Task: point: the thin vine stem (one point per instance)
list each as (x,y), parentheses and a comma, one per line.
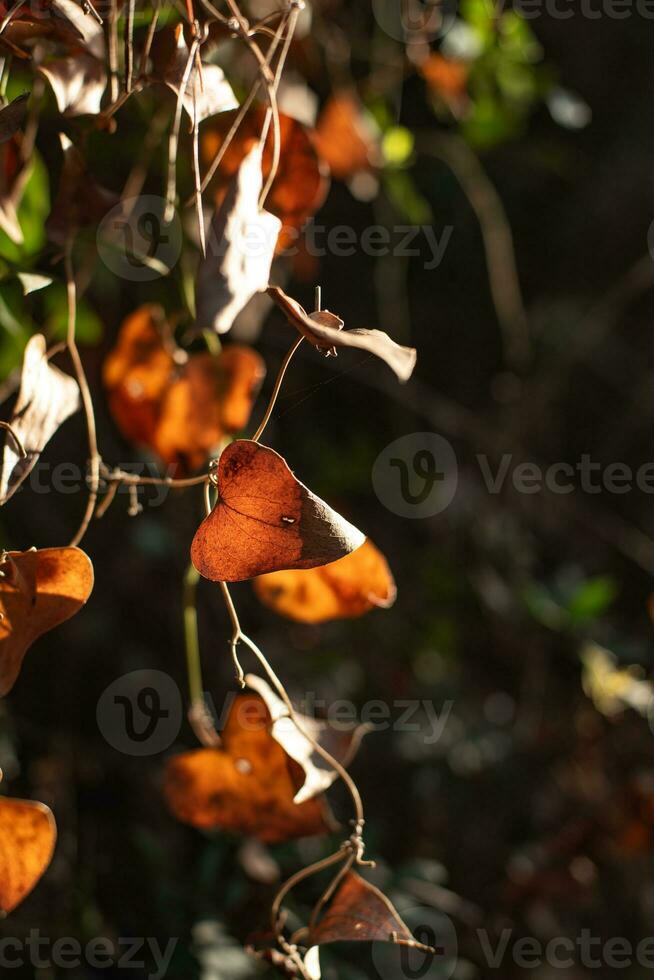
(328,758)
(14,435)
(191,638)
(275,393)
(273,112)
(87,401)
(242,112)
(293,882)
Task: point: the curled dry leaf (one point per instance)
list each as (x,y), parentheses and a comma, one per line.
(341,745)
(266,520)
(324,330)
(240,249)
(78,83)
(360,912)
(207,93)
(181,411)
(247,786)
(12,116)
(346,588)
(47,398)
(300,185)
(27,839)
(38,591)
(80,200)
(63,21)
(347,137)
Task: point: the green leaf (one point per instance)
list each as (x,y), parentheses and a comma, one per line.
(592,599)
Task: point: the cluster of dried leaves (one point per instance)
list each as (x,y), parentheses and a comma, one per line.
(268,774)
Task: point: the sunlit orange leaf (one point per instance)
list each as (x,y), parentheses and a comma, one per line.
(324,331)
(300,185)
(80,200)
(178,407)
(340,743)
(448,79)
(240,249)
(346,137)
(344,589)
(360,912)
(38,591)
(47,398)
(27,839)
(12,116)
(247,786)
(265,520)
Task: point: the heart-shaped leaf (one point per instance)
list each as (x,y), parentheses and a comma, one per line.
(266,520)
(27,839)
(179,407)
(240,248)
(360,912)
(47,398)
(341,744)
(324,331)
(247,786)
(38,591)
(345,589)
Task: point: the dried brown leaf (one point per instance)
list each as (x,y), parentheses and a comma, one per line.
(181,411)
(78,83)
(27,839)
(323,330)
(80,200)
(240,248)
(38,591)
(346,137)
(47,398)
(207,92)
(301,183)
(360,912)
(266,520)
(341,745)
(247,786)
(12,116)
(345,589)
